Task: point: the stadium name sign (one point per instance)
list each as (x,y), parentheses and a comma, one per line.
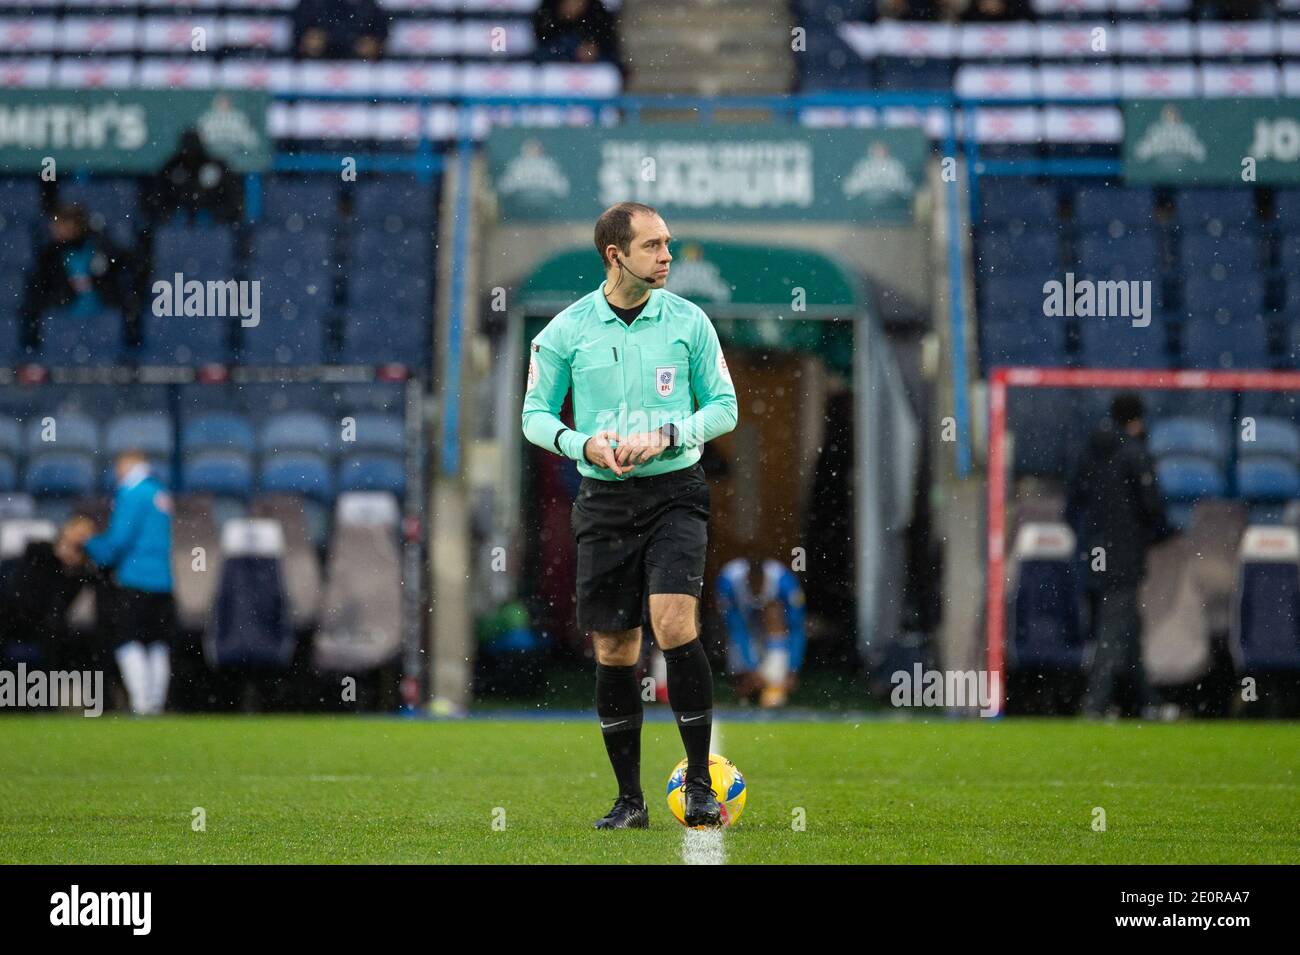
(128,131)
(741,173)
(1212,142)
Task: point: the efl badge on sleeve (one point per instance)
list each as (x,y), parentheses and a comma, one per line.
(722,368)
(665,378)
(532,371)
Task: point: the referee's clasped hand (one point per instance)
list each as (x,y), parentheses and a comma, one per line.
(600,452)
(640,448)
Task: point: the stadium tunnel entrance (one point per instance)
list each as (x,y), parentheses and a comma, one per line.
(820,473)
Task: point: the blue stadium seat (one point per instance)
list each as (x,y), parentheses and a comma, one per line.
(1181,435)
(1267,478)
(1028,341)
(1186,477)
(1135,255)
(1286,208)
(148,431)
(59,474)
(372,472)
(1237,253)
(11,436)
(371,339)
(70,340)
(373,249)
(198,253)
(374,432)
(298,431)
(225,473)
(1232,298)
(1005,201)
(1117,343)
(69,431)
(1216,211)
(17,251)
(186,341)
(398,298)
(1238,344)
(394,202)
(8,473)
(1005,253)
(296,203)
(20,200)
(1097,207)
(1275,436)
(1013,297)
(1043,423)
(830,64)
(296,472)
(290,333)
(286,261)
(217,431)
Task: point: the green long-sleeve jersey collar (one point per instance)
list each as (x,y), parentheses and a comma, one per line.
(666,367)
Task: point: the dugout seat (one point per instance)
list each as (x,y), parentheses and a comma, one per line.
(251,624)
(1042,606)
(361,619)
(193,526)
(1266,627)
(302,573)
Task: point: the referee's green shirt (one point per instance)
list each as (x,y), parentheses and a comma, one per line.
(667,366)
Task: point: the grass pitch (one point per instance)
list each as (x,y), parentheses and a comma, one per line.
(334,790)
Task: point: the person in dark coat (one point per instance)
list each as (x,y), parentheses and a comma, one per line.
(194,184)
(339,29)
(78,271)
(575,31)
(1116,502)
(45,583)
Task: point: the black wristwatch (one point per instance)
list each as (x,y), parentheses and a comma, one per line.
(670,432)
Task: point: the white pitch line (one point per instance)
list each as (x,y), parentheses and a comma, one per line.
(704,846)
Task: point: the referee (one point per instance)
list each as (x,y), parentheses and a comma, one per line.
(650,386)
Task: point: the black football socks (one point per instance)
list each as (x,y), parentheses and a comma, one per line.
(690,693)
(618,704)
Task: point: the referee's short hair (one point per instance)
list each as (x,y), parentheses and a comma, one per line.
(614,227)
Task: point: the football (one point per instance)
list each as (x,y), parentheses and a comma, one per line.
(728,786)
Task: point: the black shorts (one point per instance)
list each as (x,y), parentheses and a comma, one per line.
(638,537)
(143,616)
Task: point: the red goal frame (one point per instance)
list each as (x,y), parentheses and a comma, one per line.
(1004,377)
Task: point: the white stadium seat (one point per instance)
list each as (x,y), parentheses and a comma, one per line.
(1149,7)
(435,78)
(1071,41)
(996,82)
(27,73)
(571,79)
(423,38)
(1174,79)
(1058,8)
(273,75)
(95,73)
(861,38)
(177,34)
(1083,124)
(931,41)
(1223,81)
(336,76)
(29,34)
(505,79)
(1084,81)
(1020,125)
(988,41)
(1154,40)
(1220,40)
(189,73)
(257,33)
(99,34)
